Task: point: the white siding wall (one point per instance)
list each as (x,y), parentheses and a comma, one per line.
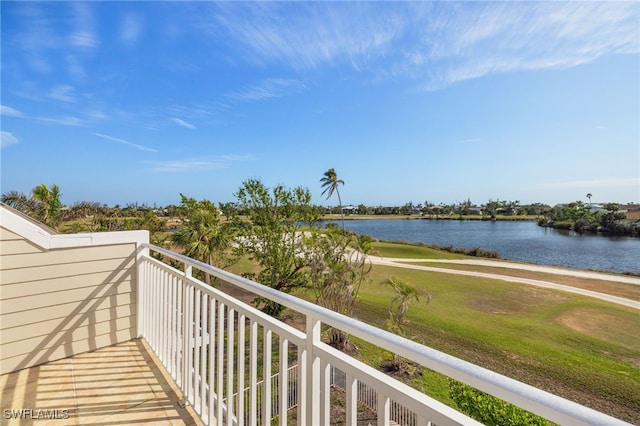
(59,302)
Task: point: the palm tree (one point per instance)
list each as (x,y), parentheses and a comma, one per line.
(330,184)
(44,204)
(405,294)
(203,237)
(50,205)
(589,197)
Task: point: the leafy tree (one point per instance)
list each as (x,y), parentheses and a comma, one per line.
(273,236)
(330,183)
(610,218)
(202,234)
(589,197)
(44,204)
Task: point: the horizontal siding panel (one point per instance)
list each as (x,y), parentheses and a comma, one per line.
(64,323)
(68,256)
(46,313)
(9,291)
(53,340)
(72,348)
(13,247)
(6,235)
(37,273)
(83,295)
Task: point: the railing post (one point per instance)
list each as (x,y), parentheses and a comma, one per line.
(141,289)
(309,401)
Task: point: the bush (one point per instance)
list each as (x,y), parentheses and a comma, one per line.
(490,410)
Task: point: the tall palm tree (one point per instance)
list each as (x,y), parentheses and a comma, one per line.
(330,184)
(589,197)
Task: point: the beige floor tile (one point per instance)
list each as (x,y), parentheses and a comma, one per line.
(121,384)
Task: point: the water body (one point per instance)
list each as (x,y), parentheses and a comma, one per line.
(524,241)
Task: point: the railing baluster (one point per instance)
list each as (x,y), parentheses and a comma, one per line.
(220,362)
(266,379)
(212,364)
(230,364)
(351,402)
(325,394)
(240,411)
(283,381)
(203,352)
(384,405)
(253,373)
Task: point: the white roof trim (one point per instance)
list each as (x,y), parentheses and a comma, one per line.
(43,238)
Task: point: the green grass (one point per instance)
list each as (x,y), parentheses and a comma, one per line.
(413,251)
(568,344)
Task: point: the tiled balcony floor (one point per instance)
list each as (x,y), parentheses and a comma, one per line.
(117,385)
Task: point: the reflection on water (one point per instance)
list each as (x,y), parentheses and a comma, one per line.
(524,241)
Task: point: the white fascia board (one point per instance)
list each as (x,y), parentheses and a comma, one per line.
(41,237)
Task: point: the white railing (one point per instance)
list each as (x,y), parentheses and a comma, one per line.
(214,346)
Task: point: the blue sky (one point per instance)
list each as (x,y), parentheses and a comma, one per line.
(122,102)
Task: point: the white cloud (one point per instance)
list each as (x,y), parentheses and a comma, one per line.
(65,121)
(10,112)
(196,165)
(7,138)
(124,142)
(183,123)
(439,43)
(84,35)
(489,38)
(130,29)
(270,88)
(63,93)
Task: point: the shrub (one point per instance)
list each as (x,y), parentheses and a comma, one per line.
(490,410)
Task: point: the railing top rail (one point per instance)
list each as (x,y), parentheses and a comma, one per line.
(530,398)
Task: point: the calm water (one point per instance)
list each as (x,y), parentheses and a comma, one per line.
(524,241)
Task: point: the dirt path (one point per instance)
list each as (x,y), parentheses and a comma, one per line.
(408,263)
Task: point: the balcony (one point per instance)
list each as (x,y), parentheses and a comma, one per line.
(136,339)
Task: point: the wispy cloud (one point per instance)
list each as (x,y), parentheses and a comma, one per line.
(196,165)
(10,112)
(268,89)
(63,93)
(7,138)
(498,37)
(124,142)
(439,43)
(130,30)
(84,35)
(64,121)
(183,123)
(315,33)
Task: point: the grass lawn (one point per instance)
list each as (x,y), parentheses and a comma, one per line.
(578,347)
